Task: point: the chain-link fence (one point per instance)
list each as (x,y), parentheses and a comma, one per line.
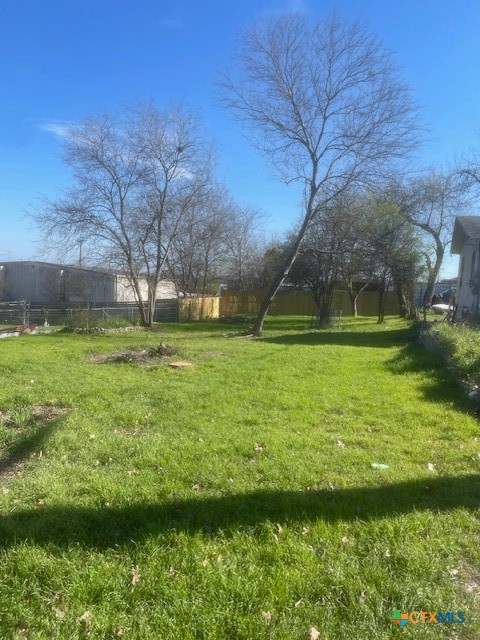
(23,313)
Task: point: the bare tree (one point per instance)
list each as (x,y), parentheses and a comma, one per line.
(197,260)
(325,102)
(430,203)
(220,243)
(468,168)
(179,166)
(353,250)
(134,178)
(395,254)
(244,247)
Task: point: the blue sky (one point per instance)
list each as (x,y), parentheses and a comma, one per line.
(64,60)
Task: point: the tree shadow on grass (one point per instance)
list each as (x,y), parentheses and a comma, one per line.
(382,338)
(22,448)
(110,526)
(440,383)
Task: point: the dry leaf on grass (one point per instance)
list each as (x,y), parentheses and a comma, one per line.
(314,633)
(85,617)
(136,575)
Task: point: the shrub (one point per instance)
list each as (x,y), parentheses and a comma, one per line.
(86,320)
(462,345)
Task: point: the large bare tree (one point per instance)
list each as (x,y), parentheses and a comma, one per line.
(220,243)
(135,176)
(197,260)
(324,100)
(430,202)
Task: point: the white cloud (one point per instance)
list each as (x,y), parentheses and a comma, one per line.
(59,128)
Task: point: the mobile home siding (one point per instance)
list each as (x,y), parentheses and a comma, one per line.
(47,283)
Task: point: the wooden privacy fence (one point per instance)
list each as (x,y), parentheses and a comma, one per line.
(290,303)
(300,303)
(198,308)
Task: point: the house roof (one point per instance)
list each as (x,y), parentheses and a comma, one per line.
(465,227)
(56,265)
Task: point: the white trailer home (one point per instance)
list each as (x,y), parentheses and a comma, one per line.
(48,283)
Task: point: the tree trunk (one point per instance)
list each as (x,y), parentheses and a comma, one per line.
(150,306)
(402,298)
(140,305)
(382,297)
(354,294)
(324,306)
(279,279)
(324,313)
(433,274)
(353,299)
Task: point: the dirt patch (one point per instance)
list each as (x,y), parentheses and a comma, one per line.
(47,412)
(22,416)
(136,355)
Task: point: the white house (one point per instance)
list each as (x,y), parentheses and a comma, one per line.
(466,244)
(48,283)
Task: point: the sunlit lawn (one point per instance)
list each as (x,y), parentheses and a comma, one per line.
(236,498)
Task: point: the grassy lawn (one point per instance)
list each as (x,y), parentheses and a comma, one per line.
(235,499)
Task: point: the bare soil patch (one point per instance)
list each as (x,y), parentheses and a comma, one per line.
(136,355)
(34,412)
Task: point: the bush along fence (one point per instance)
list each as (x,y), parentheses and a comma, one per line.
(444,341)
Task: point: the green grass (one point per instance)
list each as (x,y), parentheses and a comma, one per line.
(236,499)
